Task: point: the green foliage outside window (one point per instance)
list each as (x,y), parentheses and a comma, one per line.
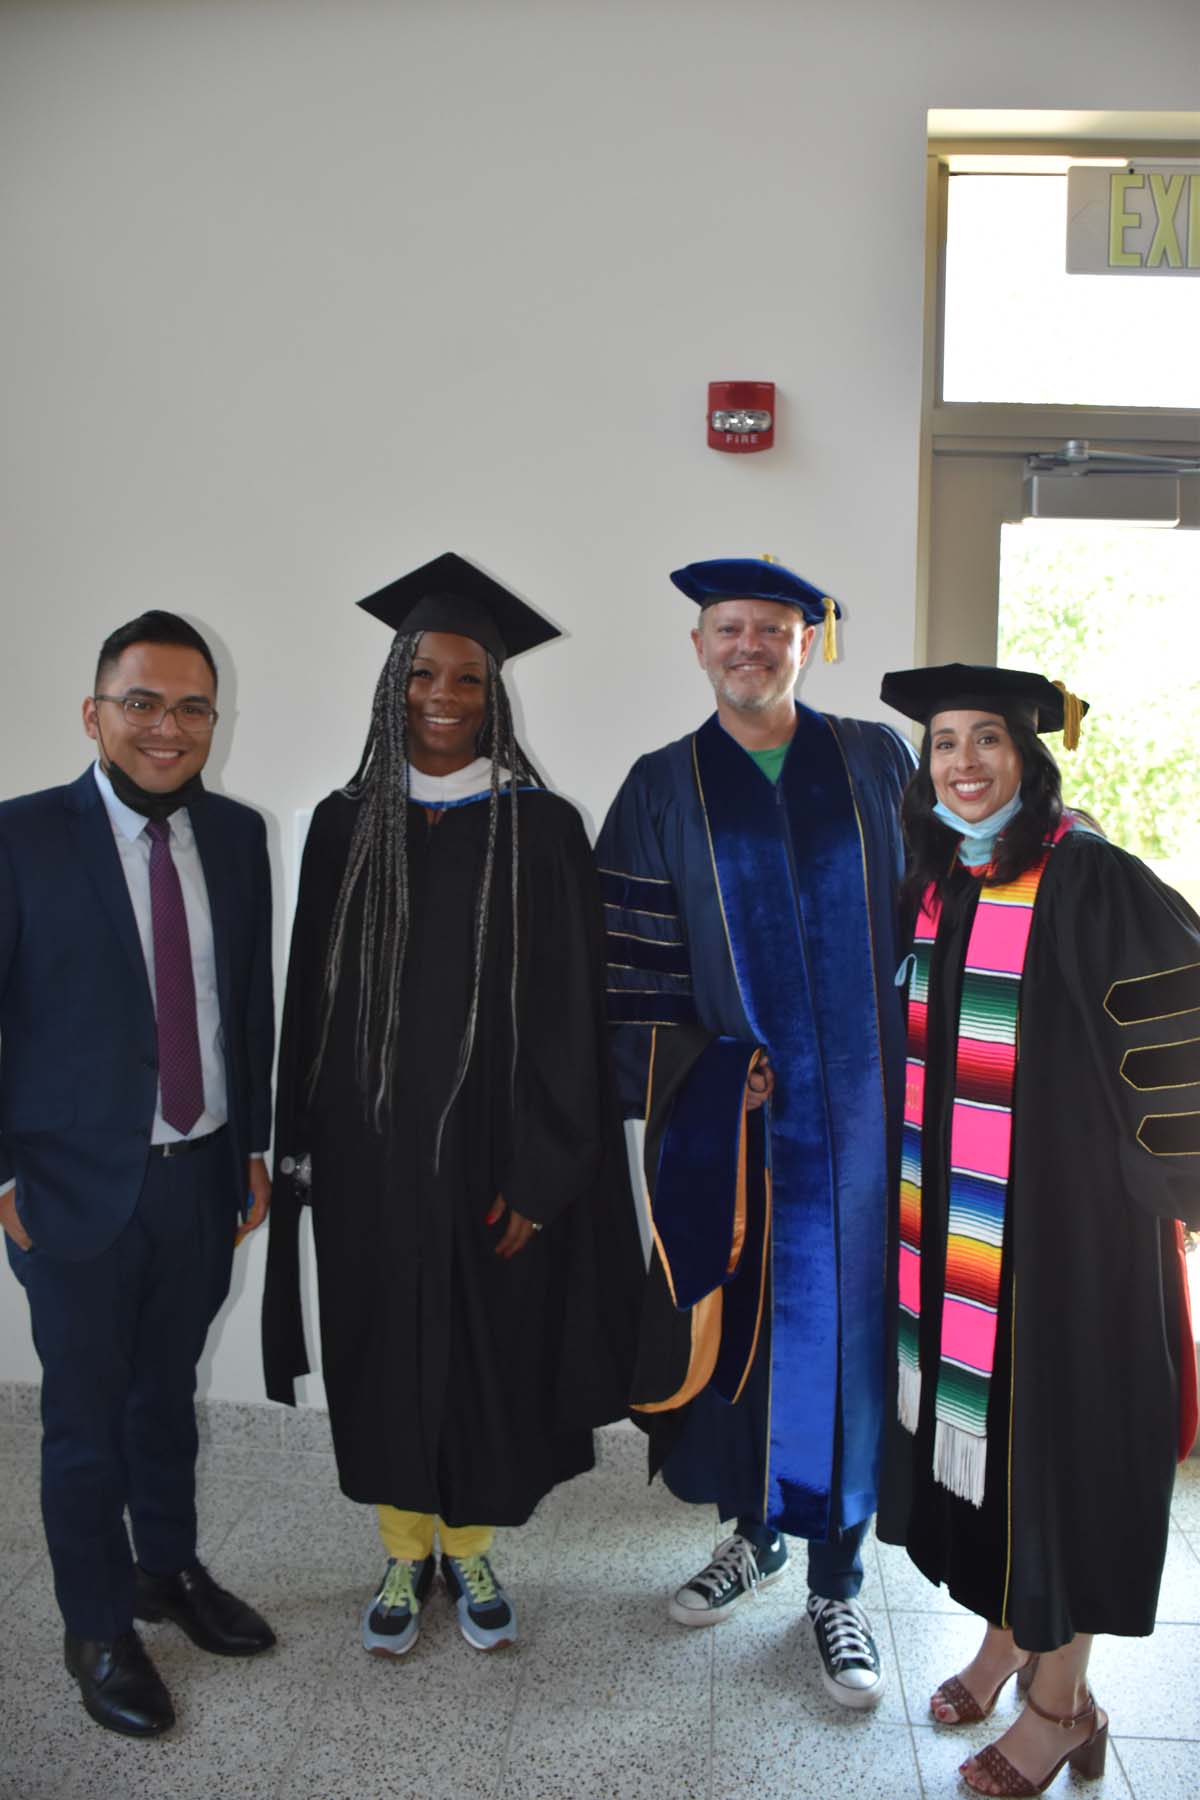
(1116,615)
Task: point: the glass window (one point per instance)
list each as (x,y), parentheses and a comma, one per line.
(1019,329)
(1111,610)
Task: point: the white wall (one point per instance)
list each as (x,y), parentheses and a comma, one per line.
(298,295)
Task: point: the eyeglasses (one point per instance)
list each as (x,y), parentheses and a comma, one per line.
(196,716)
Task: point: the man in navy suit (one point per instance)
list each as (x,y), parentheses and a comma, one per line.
(136,1037)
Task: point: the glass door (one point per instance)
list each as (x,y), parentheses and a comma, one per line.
(1115,613)
(1020,358)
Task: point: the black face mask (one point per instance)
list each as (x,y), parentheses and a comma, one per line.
(141,800)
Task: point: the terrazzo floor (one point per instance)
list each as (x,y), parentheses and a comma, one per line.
(603,1699)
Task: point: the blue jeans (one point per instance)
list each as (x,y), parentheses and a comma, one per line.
(835,1568)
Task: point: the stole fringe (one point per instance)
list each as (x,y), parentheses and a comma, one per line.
(908,1397)
(959,1461)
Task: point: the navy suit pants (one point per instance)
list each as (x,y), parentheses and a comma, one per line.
(119,1337)
(835,1568)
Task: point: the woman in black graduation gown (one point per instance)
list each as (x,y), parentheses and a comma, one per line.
(445,1106)
(1045,1377)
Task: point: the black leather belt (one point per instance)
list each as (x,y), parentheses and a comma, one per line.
(185,1146)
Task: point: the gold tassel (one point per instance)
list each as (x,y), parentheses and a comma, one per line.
(1072,716)
(767,557)
(830,635)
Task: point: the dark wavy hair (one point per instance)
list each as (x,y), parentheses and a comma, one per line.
(931,845)
(155,627)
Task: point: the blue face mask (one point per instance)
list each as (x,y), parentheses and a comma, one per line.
(978,835)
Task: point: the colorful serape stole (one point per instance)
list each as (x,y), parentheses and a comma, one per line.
(980,1147)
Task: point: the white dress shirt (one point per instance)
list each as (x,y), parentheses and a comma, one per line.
(133,847)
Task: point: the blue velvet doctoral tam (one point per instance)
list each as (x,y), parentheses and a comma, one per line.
(767,913)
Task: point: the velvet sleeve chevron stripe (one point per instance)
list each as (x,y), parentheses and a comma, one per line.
(648,977)
(1165,1071)
(640,858)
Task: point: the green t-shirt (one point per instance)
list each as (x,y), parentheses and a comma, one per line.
(769,761)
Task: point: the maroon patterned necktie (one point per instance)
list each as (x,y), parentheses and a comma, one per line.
(180,1076)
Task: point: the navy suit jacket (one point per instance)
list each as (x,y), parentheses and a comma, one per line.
(78,1046)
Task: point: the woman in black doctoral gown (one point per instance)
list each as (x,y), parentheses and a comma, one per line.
(445,1105)
(1034,1477)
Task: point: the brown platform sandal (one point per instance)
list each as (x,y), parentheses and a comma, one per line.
(1086,1759)
(958,1695)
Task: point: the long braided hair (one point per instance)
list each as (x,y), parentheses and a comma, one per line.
(378,864)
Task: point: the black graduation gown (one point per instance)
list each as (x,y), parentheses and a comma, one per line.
(1083,1409)
(460,1383)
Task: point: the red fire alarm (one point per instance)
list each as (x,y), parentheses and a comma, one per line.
(741,415)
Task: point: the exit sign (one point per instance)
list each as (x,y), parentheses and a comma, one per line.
(1143,221)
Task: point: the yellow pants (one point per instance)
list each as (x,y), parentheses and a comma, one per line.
(408,1536)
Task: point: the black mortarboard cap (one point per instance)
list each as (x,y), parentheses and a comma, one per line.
(952,687)
(451,594)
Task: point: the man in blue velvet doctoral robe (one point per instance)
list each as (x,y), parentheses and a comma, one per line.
(750,875)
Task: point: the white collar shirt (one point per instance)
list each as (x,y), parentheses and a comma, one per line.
(133,848)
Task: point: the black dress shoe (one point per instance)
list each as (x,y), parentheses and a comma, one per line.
(120,1686)
(212,1618)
